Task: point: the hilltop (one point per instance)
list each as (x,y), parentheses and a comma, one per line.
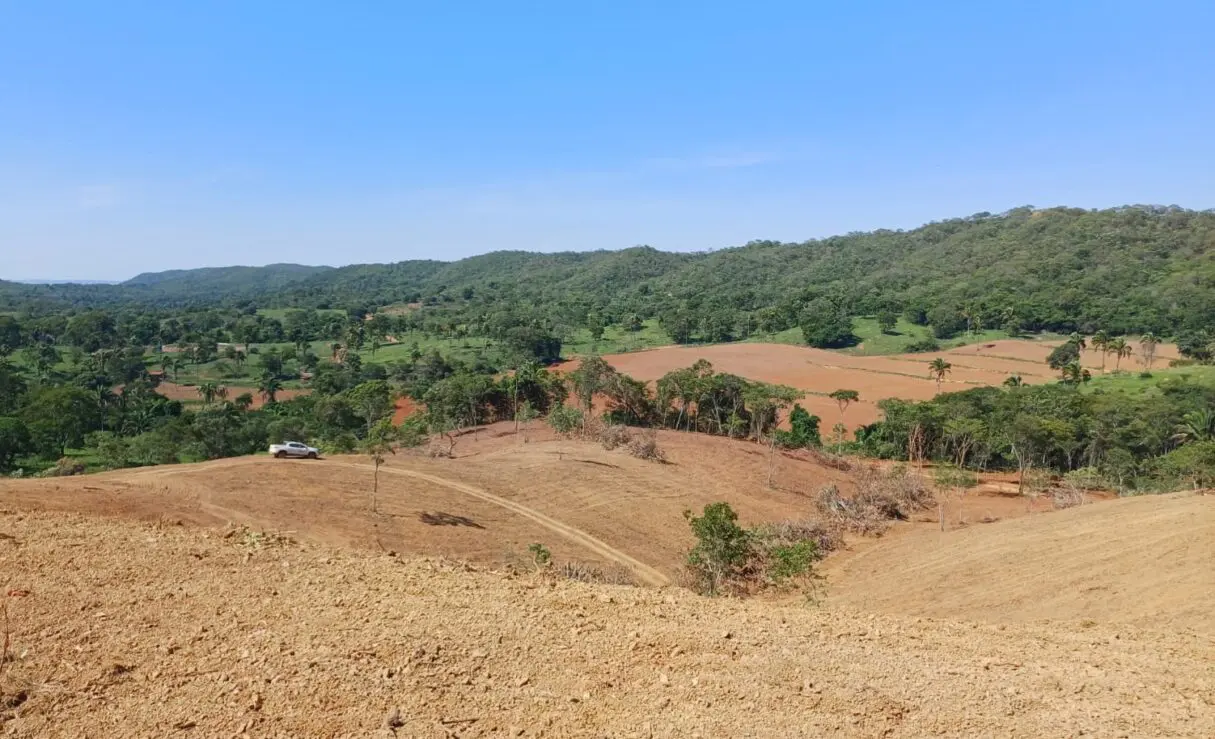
(153,630)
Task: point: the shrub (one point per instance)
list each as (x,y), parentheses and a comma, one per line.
(645,446)
(541,556)
(612,436)
(565,420)
(803,430)
(922,346)
(65,467)
(722,548)
(793,560)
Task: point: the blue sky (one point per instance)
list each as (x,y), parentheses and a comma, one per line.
(150,135)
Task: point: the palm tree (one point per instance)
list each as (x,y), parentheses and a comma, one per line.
(1101,342)
(268,387)
(1014,381)
(243,401)
(1119,348)
(1074,374)
(178,363)
(1077,339)
(1196,425)
(1147,348)
(207,391)
(221,392)
(937,369)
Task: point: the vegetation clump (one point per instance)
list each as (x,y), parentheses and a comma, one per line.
(730,560)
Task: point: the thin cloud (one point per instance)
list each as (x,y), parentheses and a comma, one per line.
(99,197)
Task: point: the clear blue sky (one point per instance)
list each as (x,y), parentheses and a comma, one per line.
(152,135)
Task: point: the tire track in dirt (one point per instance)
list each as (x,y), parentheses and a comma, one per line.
(644,572)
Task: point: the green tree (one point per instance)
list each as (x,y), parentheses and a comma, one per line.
(1196,425)
(269,387)
(59,417)
(722,547)
(825,326)
(1121,350)
(207,391)
(378,443)
(371,401)
(1063,355)
(887,320)
(1101,342)
(1074,374)
(15,441)
(937,369)
(843,398)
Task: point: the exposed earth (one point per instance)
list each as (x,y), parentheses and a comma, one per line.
(136,609)
(819,371)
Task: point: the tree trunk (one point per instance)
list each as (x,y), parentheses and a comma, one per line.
(771,457)
(375,488)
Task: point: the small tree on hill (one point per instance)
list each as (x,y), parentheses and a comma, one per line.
(951,481)
(843,398)
(722,547)
(379,442)
(887,320)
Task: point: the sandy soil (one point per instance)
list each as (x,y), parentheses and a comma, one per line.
(147,630)
(1146,561)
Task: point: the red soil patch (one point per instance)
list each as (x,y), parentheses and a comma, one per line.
(186,393)
(818,372)
(405,407)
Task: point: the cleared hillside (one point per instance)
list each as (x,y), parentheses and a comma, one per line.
(502,493)
(1147,560)
(147,630)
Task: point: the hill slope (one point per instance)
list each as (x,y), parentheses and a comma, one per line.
(500,495)
(1127,270)
(146,630)
(1145,560)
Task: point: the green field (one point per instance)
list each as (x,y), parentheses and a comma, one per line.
(874,342)
(1135,381)
(615,340)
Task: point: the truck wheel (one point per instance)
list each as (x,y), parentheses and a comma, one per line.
(279,455)
(311,455)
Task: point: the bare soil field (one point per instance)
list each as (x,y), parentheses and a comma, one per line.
(120,628)
(1145,560)
(819,372)
(500,494)
(173,391)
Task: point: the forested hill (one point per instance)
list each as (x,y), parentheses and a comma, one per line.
(1124,269)
(225,279)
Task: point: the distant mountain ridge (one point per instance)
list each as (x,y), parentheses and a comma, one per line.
(1127,269)
(268,276)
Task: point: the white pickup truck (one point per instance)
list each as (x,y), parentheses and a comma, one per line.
(294,449)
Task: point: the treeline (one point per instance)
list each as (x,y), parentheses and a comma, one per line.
(1100,439)
(1128,270)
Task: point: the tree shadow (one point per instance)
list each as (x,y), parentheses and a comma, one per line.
(439,518)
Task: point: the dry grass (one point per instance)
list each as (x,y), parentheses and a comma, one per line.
(645,446)
(880,498)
